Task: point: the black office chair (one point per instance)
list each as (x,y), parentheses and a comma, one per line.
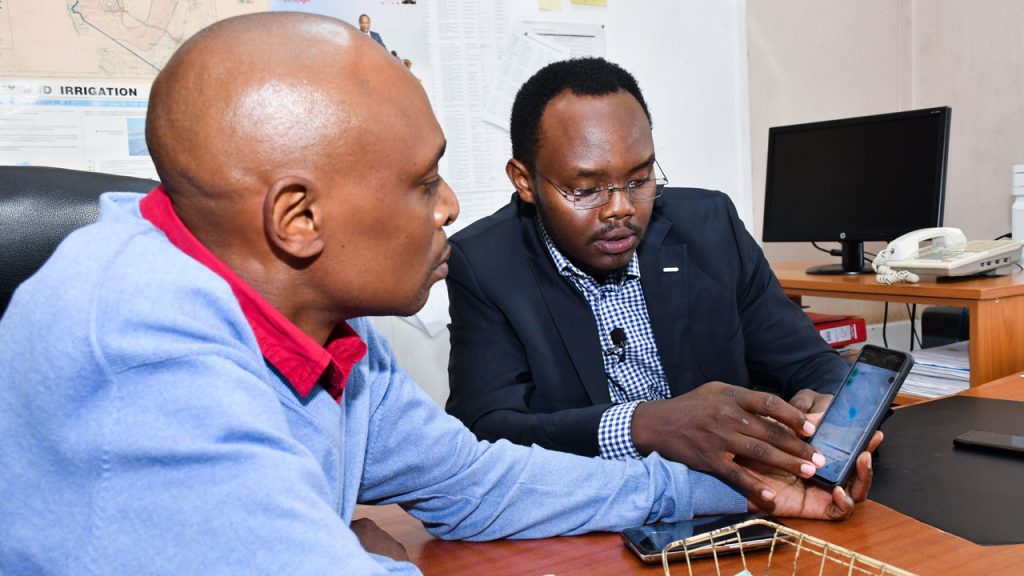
(39,206)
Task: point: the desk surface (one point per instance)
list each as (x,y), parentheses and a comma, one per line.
(793,275)
(996,305)
(874,530)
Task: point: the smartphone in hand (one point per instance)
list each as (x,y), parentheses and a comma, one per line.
(857,411)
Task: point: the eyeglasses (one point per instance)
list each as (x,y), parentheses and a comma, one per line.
(596,196)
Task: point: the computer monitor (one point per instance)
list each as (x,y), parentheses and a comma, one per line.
(856,179)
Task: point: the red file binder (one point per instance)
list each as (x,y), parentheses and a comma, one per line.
(839,330)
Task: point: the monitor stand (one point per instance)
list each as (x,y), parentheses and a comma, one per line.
(853,262)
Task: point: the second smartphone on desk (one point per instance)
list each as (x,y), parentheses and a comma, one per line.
(648,541)
(991,441)
(857,410)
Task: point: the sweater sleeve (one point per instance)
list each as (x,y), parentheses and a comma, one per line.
(462,488)
(189,461)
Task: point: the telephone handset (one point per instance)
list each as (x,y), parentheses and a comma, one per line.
(943,252)
(907,246)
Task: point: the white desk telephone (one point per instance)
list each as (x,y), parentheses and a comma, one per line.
(943,252)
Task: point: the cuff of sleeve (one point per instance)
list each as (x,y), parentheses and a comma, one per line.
(614,436)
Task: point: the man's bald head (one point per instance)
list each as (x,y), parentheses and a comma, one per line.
(306,159)
(252,95)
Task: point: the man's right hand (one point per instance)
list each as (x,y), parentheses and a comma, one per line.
(709,427)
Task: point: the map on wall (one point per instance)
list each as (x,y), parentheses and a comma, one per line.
(75,76)
(90,39)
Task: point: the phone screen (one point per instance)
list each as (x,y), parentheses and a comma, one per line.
(856,410)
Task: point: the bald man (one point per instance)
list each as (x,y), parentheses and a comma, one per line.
(188,387)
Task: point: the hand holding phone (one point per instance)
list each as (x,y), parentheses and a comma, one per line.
(846,431)
(857,411)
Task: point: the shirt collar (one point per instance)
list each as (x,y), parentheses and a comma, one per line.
(566,268)
(302,361)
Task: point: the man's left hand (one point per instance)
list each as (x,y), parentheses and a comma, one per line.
(798,498)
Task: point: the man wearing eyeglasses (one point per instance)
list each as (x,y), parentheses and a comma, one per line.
(209,400)
(603,313)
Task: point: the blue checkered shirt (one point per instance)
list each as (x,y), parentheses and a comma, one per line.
(634,372)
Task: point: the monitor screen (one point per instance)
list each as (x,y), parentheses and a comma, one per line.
(856,179)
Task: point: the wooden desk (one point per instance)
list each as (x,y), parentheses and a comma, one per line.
(874,530)
(996,306)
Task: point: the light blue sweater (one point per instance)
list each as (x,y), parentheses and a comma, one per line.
(143,433)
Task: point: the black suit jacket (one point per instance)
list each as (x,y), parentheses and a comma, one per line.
(526,361)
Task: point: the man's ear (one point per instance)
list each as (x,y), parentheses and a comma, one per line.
(293,219)
(519,175)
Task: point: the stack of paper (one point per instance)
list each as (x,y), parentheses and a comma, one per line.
(939,371)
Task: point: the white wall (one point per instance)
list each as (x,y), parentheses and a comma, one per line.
(970,55)
(821,59)
(690,61)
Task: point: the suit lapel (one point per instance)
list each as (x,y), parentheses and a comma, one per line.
(572,315)
(664,276)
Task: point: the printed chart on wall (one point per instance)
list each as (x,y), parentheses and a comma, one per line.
(75,76)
